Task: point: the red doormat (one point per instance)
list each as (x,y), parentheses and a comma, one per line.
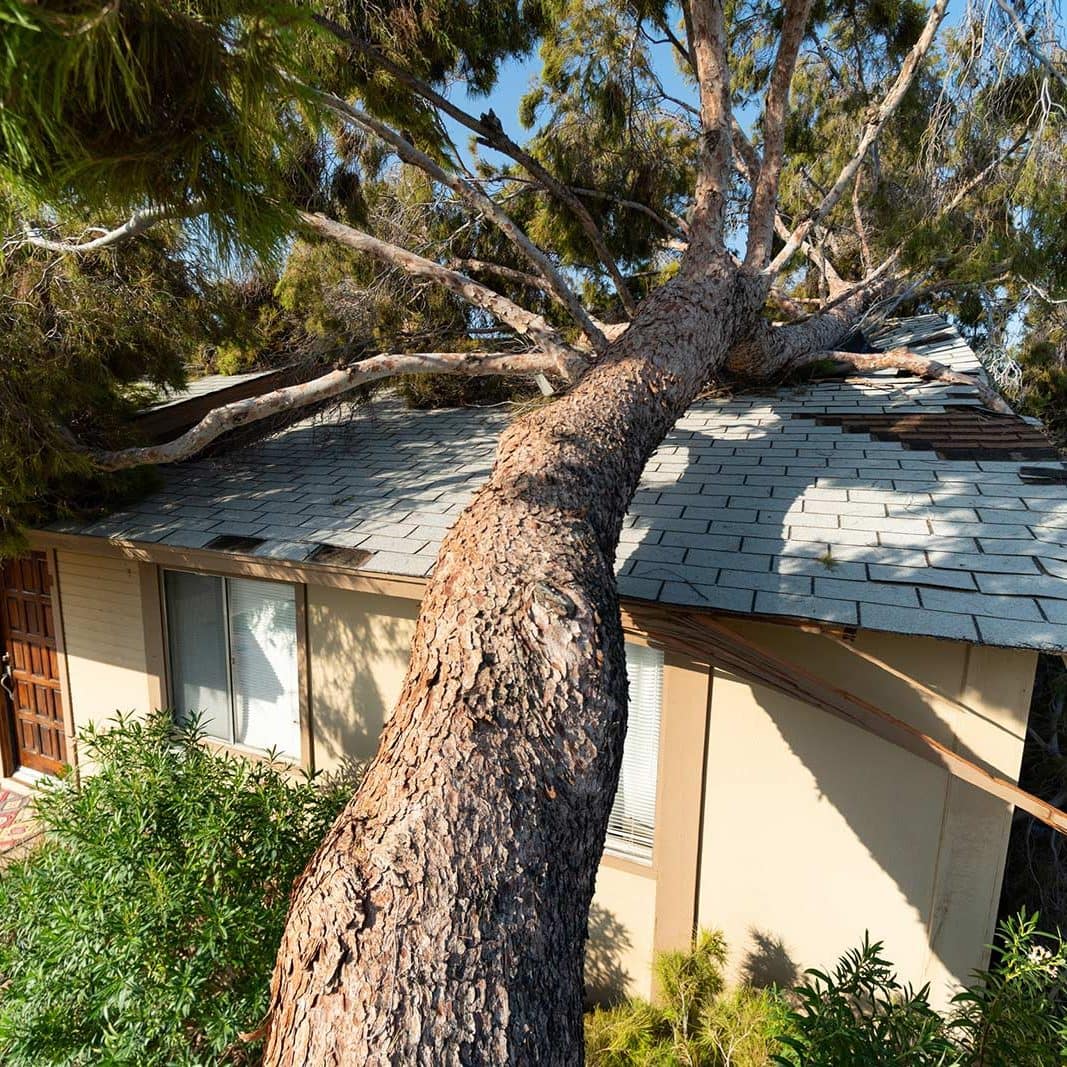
(16,820)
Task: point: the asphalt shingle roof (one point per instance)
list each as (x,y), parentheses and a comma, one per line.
(764,504)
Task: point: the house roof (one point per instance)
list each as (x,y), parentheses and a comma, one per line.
(882,502)
(206,386)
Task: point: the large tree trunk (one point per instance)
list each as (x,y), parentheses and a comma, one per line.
(443,919)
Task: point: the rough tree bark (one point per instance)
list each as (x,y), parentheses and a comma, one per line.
(443,919)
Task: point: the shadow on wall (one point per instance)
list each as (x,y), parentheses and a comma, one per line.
(360,644)
(890,802)
(768,963)
(607,946)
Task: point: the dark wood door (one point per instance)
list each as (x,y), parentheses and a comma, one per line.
(31,666)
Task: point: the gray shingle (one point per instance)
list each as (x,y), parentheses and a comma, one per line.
(796,584)
(297,551)
(1008,585)
(807,607)
(639,588)
(398,563)
(714,597)
(697,557)
(933,577)
(1008,607)
(1055,610)
(1022,634)
(918,621)
(863,592)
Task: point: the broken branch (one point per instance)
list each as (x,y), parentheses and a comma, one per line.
(507,311)
(920,366)
(325,387)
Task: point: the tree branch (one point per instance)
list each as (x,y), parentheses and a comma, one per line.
(680,47)
(861,228)
(921,367)
(749,165)
(507,311)
(480,202)
(871,131)
(708,44)
(333,384)
(489,129)
(137,223)
(765,195)
(482,266)
(1025,34)
(675,226)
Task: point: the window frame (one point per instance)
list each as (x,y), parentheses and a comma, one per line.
(620,857)
(306,758)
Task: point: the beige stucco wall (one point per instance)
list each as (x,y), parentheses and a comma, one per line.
(103,629)
(815,831)
(622,922)
(359,645)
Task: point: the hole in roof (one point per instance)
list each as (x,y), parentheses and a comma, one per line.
(234,543)
(340,557)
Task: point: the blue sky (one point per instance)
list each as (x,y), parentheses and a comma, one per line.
(515,79)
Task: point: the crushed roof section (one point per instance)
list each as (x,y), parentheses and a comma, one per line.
(753,504)
(929,335)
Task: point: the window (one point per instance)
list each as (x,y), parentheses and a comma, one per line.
(631,826)
(233,663)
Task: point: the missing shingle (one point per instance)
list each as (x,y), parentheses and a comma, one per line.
(963,432)
(1044,475)
(234,543)
(340,557)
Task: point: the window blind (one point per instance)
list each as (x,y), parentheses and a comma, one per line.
(632,823)
(196,630)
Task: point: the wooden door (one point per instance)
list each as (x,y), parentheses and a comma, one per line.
(31,667)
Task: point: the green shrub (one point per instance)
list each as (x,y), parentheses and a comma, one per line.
(1012,1015)
(694,1022)
(143,930)
(1016,1012)
(859,1013)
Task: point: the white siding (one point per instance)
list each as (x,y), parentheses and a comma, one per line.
(100,598)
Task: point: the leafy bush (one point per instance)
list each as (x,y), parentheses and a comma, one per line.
(695,1022)
(1012,1015)
(860,1013)
(143,930)
(1016,1012)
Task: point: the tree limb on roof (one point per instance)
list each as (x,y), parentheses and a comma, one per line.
(333,384)
(507,311)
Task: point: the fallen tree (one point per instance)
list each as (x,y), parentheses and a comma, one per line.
(442,919)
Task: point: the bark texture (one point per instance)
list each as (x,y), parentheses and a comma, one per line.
(443,919)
